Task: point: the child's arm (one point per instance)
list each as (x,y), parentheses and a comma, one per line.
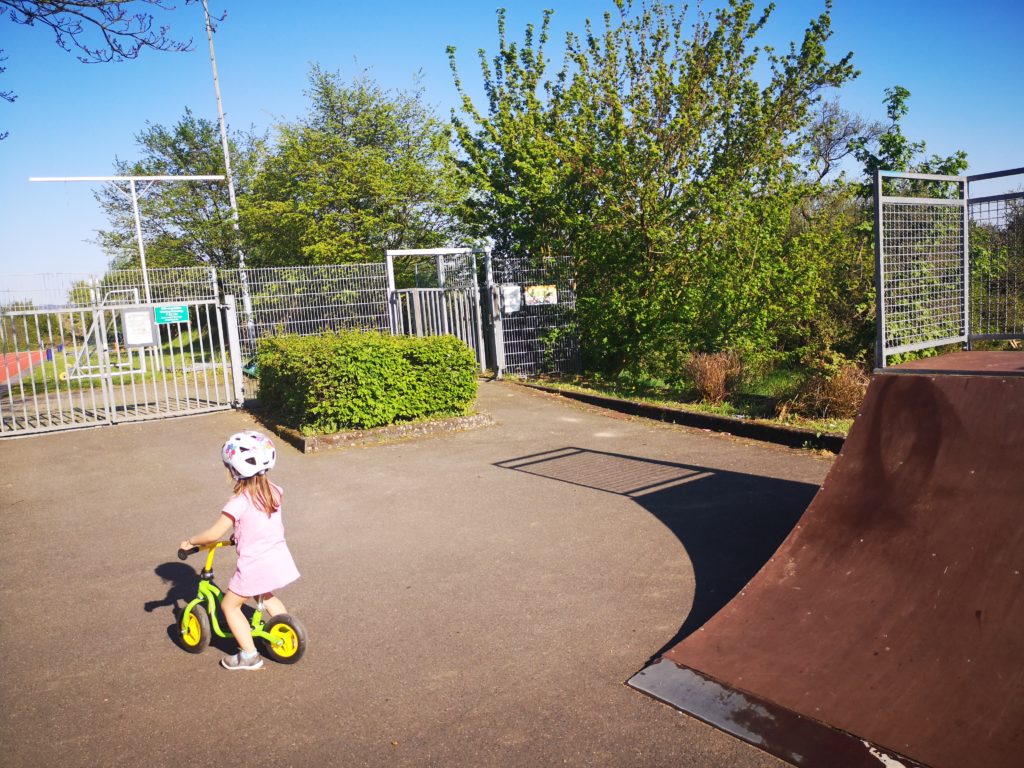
(213,533)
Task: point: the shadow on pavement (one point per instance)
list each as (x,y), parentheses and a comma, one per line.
(183,582)
(730,523)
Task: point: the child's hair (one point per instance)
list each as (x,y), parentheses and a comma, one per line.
(265,497)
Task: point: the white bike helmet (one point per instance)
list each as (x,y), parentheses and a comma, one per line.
(248,454)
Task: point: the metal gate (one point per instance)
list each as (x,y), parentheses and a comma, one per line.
(83,366)
(448,304)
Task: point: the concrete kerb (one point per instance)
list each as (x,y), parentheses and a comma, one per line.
(791,437)
(391,433)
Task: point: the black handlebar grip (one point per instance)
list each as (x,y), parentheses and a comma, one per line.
(184,553)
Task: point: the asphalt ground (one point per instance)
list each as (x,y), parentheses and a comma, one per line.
(472,599)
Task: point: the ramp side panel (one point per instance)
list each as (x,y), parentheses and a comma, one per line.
(894,610)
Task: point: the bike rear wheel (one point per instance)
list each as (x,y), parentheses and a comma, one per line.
(287,639)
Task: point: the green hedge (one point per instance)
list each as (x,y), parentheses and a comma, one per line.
(352,379)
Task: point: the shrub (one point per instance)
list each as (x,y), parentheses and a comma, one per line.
(352,379)
(834,389)
(713,374)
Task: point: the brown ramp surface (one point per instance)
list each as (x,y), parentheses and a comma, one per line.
(888,629)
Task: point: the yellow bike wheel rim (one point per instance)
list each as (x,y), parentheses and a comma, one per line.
(192,633)
(284,640)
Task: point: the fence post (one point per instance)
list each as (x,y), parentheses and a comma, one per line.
(396,325)
(481,350)
(965,195)
(494,299)
(234,349)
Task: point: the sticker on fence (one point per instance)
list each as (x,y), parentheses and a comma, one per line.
(541,294)
(511,299)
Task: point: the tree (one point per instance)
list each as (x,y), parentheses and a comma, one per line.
(184,223)
(97,30)
(364,171)
(664,166)
(833,135)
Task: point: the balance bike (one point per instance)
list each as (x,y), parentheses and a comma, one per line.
(281,637)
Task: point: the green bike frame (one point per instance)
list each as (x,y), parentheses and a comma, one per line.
(210,595)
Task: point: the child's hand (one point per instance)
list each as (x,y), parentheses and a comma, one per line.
(186,544)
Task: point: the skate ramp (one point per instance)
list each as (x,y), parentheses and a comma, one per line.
(888,628)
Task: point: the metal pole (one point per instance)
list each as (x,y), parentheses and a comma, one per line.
(243,278)
(223,133)
(142,246)
(880,356)
(393,307)
(234,350)
(965,196)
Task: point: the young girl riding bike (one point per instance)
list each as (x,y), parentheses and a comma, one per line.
(264,563)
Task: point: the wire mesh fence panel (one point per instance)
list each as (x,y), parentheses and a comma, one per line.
(538,314)
(119,286)
(166,284)
(306,300)
(41,290)
(435,268)
(922,267)
(997,267)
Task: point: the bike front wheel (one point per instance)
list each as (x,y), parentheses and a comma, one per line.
(194,631)
(285,639)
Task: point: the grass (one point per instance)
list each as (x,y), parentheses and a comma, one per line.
(180,353)
(756,400)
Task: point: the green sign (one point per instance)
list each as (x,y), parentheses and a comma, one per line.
(171,313)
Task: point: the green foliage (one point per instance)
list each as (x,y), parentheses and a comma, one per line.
(664,167)
(335,381)
(364,171)
(892,151)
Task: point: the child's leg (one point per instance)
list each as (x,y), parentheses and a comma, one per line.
(272,606)
(231,605)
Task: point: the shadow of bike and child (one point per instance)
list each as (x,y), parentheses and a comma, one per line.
(182,584)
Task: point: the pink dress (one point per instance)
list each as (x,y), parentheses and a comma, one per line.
(264,562)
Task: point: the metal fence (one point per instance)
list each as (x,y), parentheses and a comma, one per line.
(68,364)
(308,299)
(997,261)
(533,314)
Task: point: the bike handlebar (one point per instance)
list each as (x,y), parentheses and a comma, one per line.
(184,553)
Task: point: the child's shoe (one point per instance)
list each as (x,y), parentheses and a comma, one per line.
(239,662)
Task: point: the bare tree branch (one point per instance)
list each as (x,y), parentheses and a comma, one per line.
(101,30)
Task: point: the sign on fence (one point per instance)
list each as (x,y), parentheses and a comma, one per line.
(171,313)
(138,327)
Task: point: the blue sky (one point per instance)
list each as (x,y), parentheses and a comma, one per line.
(962,63)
